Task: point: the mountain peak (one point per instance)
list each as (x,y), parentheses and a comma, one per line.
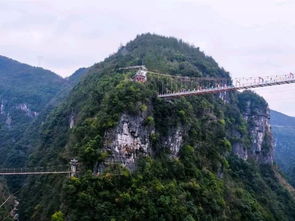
(10,65)
(165,55)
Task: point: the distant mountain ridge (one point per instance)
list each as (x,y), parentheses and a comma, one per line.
(25,91)
(281,119)
(22,82)
(283,127)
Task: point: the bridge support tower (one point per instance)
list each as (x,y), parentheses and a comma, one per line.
(74,165)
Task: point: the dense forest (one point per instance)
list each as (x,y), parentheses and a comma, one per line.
(146,158)
(24,92)
(27,94)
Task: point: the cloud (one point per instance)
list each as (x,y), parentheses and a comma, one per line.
(245,37)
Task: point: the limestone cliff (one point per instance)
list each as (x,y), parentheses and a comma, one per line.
(256,114)
(13,114)
(132,138)
(129,139)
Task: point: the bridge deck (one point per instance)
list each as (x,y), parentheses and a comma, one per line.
(226,88)
(34,173)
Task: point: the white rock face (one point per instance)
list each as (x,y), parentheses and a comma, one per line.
(2,112)
(72,121)
(224,97)
(260,133)
(24,108)
(27,110)
(128,144)
(8,121)
(129,140)
(261,137)
(174,141)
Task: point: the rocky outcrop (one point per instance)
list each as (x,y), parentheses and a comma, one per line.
(24,108)
(261,145)
(8,121)
(129,139)
(2,108)
(261,137)
(10,112)
(174,141)
(72,121)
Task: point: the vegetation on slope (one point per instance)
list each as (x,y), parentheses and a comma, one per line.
(205,182)
(26,95)
(283,128)
(6,202)
(21,85)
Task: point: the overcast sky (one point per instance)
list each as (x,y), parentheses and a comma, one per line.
(247,38)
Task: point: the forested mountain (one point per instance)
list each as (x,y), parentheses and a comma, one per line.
(26,94)
(280,119)
(283,128)
(141,157)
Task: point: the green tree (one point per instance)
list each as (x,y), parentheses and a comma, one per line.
(57,216)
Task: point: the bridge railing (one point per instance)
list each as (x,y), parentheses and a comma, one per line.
(243,83)
(167,84)
(34,169)
(250,81)
(71,169)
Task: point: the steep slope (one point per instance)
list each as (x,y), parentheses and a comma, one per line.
(144,158)
(26,95)
(77,75)
(283,128)
(24,92)
(280,119)
(6,208)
